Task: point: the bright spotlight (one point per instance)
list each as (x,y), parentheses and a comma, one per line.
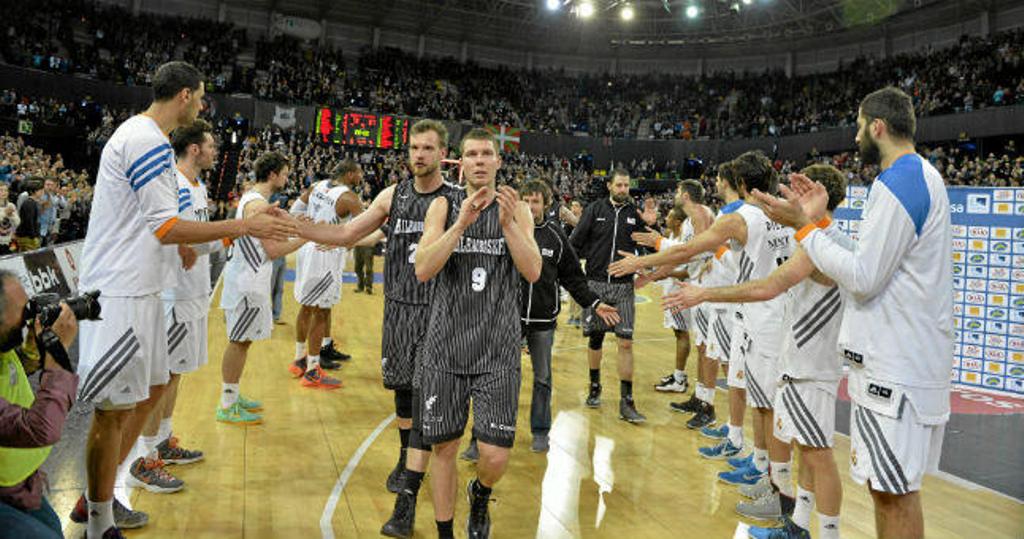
(586,10)
(748,2)
(691,12)
(553,5)
(627,13)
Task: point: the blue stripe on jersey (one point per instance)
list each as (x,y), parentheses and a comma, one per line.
(905,180)
(183,190)
(136,185)
(184,206)
(731,207)
(164,158)
(138,162)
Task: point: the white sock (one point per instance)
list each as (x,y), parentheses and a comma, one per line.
(761,459)
(803,507)
(679,376)
(782,476)
(228,395)
(709,394)
(101,517)
(828,527)
(326,342)
(300,350)
(312,362)
(736,435)
(702,395)
(149,444)
(165,429)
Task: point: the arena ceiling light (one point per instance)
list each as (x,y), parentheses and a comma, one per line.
(586,10)
(553,5)
(627,13)
(692,12)
(748,2)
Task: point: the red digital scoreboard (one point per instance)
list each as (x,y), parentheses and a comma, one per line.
(364,129)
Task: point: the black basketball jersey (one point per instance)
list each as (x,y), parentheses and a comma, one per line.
(474,315)
(405,227)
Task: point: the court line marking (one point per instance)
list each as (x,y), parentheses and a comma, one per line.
(326,530)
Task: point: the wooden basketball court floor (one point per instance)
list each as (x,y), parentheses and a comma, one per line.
(316,466)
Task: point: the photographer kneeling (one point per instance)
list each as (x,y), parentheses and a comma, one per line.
(30,423)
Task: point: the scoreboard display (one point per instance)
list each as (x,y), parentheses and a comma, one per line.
(988,283)
(364,129)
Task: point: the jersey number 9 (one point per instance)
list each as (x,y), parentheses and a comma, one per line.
(479,279)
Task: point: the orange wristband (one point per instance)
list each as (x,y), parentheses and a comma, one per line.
(803,232)
(825,222)
(657,244)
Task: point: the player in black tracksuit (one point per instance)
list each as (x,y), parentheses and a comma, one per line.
(540,303)
(604,230)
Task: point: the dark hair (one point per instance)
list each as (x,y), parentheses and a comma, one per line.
(894,107)
(694,189)
(727,172)
(174,77)
(183,137)
(619,171)
(833,180)
(33,184)
(753,170)
(677,213)
(346,166)
(479,134)
(423,126)
(535,187)
(268,163)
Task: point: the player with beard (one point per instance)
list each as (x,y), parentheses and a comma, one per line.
(897,329)
(603,233)
(123,362)
(406,300)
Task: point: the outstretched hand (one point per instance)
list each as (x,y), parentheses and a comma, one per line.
(188,256)
(804,201)
(684,296)
(647,239)
(608,314)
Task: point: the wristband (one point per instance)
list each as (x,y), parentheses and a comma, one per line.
(657,244)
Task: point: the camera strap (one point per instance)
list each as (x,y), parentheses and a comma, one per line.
(50,342)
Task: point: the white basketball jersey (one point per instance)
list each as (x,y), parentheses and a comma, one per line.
(814,314)
(248,271)
(191,287)
(322,208)
(768,245)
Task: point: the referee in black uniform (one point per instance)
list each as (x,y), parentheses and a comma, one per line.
(605,228)
(476,245)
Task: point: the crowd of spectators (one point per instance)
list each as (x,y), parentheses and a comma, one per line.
(51,202)
(109,42)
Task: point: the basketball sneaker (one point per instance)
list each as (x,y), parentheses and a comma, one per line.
(540,443)
(720,433)
(741,476)
(171,453)
(330,353)
(741,462)
(669,384)
(316,379)
(330,364)
(594,397)
(124,518)
(249,405)
(690,406)
(478,526)
(298,367)
(767,507)
(151,475)
(761,488)
(402,517)
(237,415)
(628,413)
(722,451)
(704,417)
(788,530)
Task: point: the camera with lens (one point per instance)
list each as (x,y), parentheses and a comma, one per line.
(46,307)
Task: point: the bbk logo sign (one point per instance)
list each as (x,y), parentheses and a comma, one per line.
(44,275)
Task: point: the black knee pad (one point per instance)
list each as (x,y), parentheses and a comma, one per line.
(403,403)
(596,341)
(416,440)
